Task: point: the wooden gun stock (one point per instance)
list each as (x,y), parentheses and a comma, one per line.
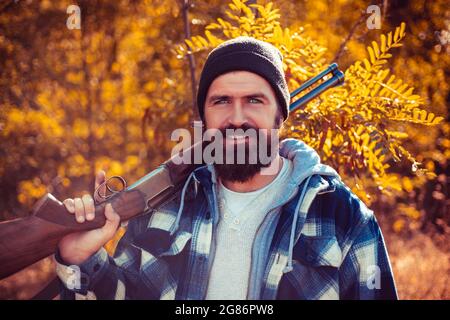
(27,240)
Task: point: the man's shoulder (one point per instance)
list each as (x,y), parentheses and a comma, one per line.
(339,208)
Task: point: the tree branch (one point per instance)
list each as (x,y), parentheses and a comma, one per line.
(349,36)
(185,4)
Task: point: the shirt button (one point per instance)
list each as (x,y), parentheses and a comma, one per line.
(236,221)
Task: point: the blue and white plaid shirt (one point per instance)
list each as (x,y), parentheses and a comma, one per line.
(324,243)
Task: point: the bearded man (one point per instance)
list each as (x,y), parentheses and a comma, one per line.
(239,230)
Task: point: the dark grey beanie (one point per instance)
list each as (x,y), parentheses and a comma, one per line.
(246,54)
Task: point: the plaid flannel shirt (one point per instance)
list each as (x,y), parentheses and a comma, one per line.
(339,251)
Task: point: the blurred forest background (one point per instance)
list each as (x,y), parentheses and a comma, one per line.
(108,95)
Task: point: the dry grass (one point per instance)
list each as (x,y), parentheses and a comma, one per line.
(421,269)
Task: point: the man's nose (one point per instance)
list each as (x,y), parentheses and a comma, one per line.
(237,117)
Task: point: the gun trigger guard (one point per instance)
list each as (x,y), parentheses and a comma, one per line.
(99,198)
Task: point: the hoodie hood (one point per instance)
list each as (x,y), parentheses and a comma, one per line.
(305,159)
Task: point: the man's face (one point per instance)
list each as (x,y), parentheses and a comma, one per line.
(241,100)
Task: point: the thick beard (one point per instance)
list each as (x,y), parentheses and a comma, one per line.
(238,172)
(241,173)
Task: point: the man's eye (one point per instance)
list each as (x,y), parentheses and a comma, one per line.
(222,101)
(254,100)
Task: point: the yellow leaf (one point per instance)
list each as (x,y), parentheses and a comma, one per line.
(376,49)
(371,54)
(396,34)
(437,120)
(189,44)
(402,29)
(383,43)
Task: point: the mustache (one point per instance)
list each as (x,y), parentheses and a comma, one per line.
(243,127)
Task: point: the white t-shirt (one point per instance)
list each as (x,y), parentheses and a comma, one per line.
(241,214)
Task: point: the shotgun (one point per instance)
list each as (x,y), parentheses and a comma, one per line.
(25,241)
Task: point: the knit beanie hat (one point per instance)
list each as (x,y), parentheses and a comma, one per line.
(246,54)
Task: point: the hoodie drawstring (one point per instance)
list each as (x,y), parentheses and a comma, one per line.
(289,267)
(180,209)
(214,189)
